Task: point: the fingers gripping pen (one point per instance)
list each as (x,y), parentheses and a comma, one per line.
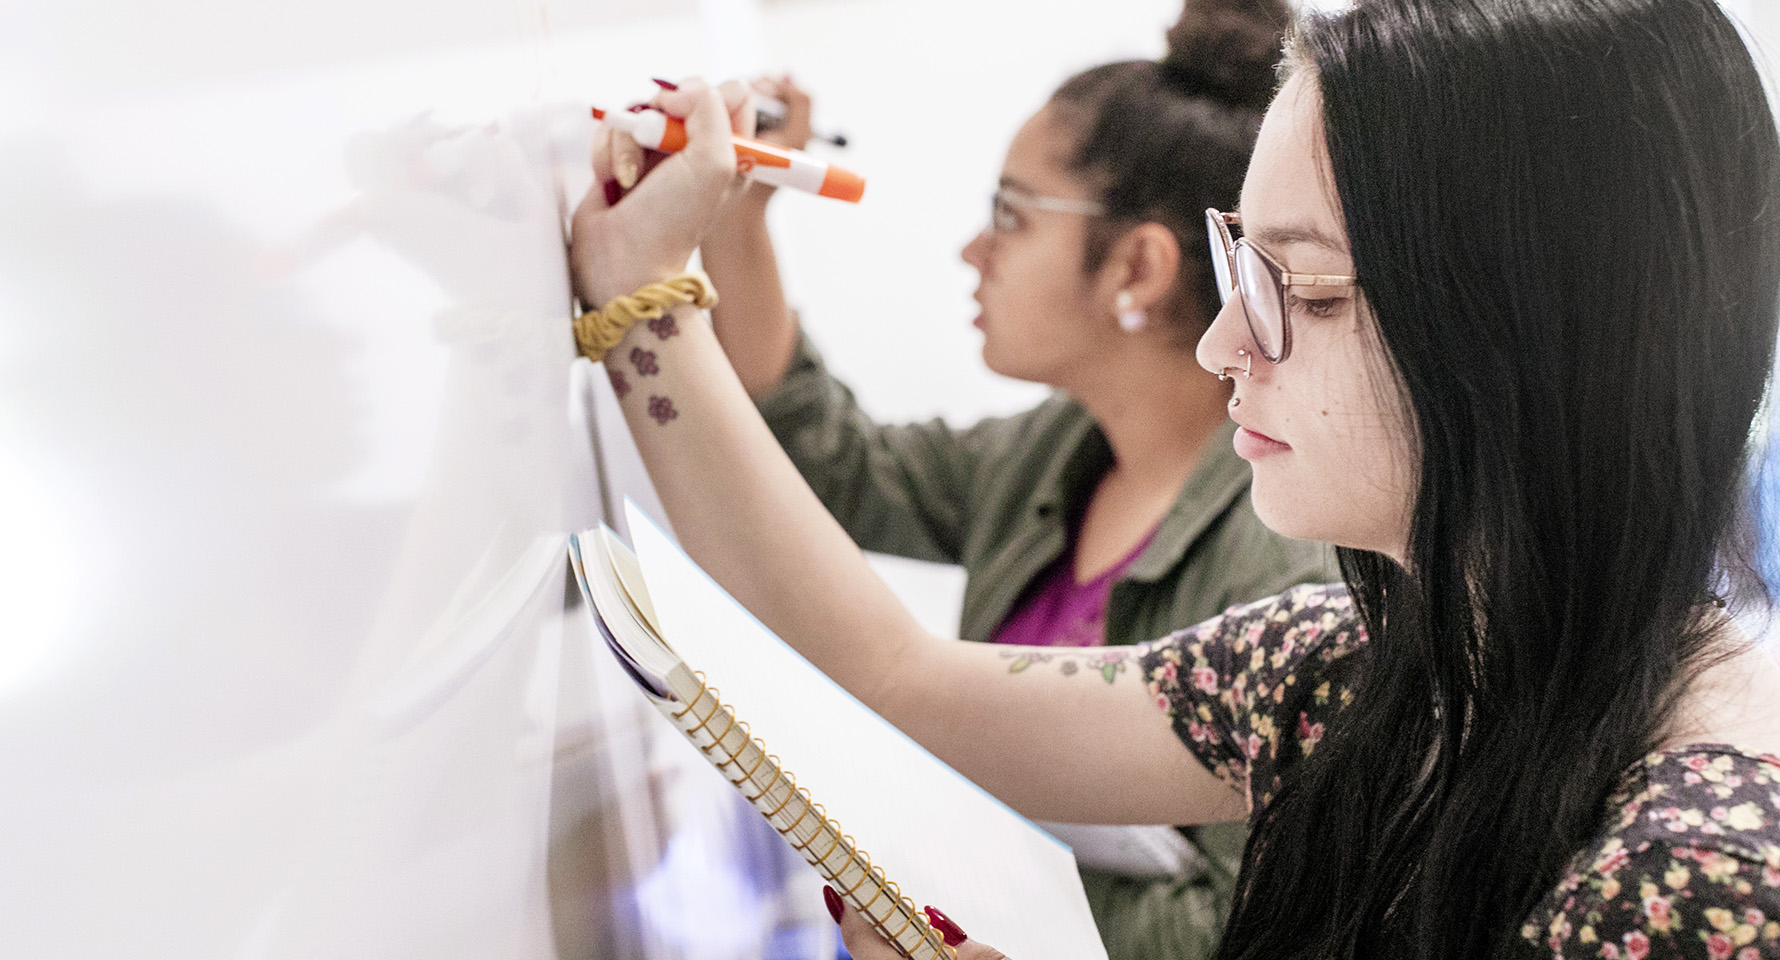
(761,161)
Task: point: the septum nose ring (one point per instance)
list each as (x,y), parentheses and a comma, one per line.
(1247,371)
(1248,366)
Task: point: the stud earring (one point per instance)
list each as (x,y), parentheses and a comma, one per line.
(1131,319)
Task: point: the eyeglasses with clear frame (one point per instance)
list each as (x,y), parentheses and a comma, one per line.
(1006,200)
(1241,267)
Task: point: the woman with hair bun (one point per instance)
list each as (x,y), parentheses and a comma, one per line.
(1116,511)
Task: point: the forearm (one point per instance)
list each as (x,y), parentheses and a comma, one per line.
(753,322)
(1067,734)
(742,510)
(1048,741)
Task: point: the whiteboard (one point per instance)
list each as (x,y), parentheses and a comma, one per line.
(284,416)
(290,434)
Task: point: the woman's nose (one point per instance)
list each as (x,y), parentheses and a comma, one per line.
(1226,344)
(976,252)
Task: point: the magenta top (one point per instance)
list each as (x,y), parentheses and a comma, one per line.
(1064,613)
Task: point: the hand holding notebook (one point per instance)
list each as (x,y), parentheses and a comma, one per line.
(927,829)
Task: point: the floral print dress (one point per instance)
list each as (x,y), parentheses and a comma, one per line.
(1687,860)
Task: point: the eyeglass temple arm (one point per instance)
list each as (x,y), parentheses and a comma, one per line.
(1289,279)
(1088,208)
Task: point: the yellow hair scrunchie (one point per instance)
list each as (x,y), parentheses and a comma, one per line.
(597,331)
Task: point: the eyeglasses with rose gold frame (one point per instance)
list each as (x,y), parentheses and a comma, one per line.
(1239,265)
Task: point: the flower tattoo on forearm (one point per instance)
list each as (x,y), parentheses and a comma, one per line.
(644,361)
(664,326)
(1107,663)
(662,409)
(620,385)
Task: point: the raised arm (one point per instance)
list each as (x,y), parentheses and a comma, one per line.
(1048,741)
(753,322)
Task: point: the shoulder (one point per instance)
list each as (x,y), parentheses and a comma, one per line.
(1057,417)
(1025,458)
(1687,865)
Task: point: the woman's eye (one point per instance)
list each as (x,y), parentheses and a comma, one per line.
(1322,307)
(1003,218)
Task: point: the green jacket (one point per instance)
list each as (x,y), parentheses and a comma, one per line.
(997,498)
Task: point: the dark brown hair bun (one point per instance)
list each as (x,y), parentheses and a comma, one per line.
(1227,49)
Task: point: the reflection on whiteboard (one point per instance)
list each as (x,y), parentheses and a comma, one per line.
(283,383)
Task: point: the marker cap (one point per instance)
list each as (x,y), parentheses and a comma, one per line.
(842,184)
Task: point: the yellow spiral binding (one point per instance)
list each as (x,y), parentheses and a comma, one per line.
(927,943)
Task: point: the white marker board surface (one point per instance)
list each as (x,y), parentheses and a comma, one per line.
(283,454)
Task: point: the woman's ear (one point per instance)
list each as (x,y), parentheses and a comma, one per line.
(1145,264)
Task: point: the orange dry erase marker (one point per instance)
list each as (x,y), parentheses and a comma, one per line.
(761,161)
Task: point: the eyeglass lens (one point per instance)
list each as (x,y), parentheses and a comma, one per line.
(1220,260)
(1263,298)
(1001,213)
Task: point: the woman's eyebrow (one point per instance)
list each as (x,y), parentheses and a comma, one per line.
(1280,235)
(1298,233)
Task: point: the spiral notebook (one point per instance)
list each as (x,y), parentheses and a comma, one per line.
(886,823)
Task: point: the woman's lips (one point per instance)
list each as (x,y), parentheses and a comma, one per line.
(1253,446)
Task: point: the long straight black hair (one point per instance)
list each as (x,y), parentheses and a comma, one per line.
(1565,219)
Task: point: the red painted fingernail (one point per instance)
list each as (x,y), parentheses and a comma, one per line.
(664,84)
(833,901)
(614,192)
(636,108)
(953,933)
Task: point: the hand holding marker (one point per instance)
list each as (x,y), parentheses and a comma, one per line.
(763,162)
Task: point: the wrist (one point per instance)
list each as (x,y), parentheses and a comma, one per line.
(758,194)
(743,221)
(622,280)
(602,328)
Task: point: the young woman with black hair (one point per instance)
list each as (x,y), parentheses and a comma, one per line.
(1503,310)
(1116,511)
